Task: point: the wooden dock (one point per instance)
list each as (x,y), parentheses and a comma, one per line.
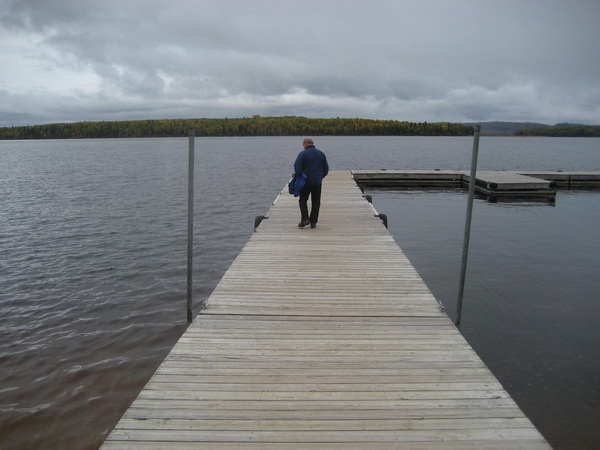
(489,182)
(323,338)
(569,180)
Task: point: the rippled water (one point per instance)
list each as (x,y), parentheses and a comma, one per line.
(532,295)
(93,267)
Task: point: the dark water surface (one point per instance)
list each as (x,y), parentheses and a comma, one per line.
(532,295)
(93,268)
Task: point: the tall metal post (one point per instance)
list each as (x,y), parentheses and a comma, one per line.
(190,247)
(463,269)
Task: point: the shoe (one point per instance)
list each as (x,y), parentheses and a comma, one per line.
(313,225)
(303,223)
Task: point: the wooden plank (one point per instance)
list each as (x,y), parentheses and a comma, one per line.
(318,425)
(429,445)
(275,437)
(323,338)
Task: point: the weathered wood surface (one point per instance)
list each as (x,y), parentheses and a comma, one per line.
(508,180)
(323,338)
(569,179)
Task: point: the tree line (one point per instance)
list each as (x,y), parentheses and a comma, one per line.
(561,130)
(247,126)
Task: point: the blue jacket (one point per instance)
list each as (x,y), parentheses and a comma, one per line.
(313,163)
(296,183)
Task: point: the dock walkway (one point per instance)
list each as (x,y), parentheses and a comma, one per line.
(323,338)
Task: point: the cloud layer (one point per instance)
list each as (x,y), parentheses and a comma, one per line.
(434,60)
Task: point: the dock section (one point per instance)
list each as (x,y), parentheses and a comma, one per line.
(409,178)
(489,182)
(323,338)
(513,184)
(569,180)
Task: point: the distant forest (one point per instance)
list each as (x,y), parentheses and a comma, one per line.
(288,126)
(251,126)
(562,130)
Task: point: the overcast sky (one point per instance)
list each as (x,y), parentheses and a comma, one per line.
(426,60)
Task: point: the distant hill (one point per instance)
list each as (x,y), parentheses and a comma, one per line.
(537,129)
(562,130)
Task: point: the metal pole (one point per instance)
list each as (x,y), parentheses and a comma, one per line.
(190,249)
(472,179)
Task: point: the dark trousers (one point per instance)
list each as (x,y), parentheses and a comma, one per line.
(315,198)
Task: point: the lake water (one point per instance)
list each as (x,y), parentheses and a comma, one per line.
(93,267)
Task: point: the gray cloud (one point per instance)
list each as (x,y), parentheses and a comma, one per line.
(457,60)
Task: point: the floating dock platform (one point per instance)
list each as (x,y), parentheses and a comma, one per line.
(323,338)
(488,182)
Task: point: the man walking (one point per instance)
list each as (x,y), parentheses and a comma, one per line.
(313,163)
